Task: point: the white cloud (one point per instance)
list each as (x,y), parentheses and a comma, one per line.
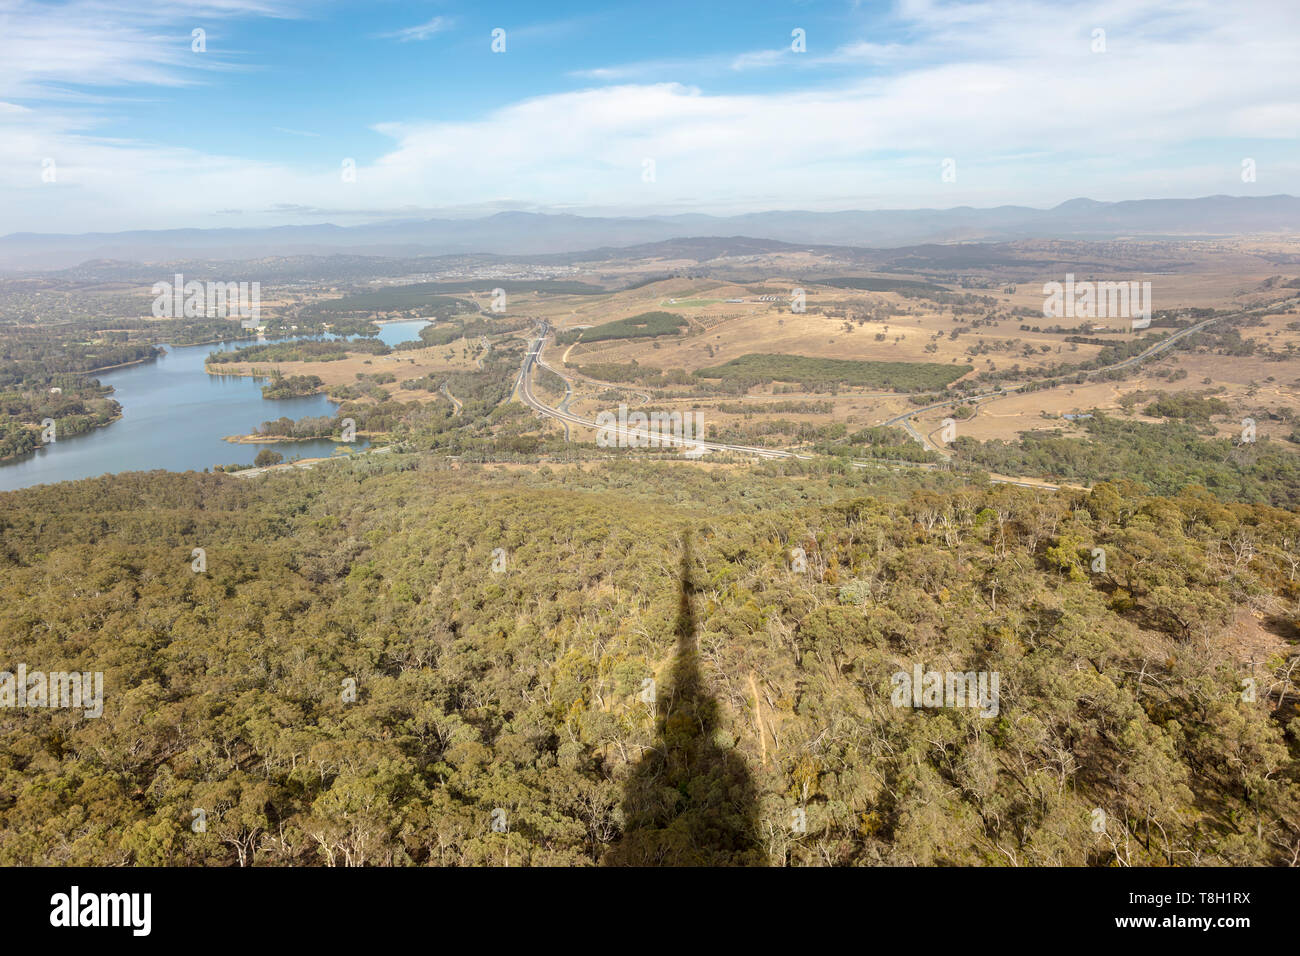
(420,32)
(1011,91)
(45,48)
(759,58)
(1035,107)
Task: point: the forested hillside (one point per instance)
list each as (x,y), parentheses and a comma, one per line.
(501,626)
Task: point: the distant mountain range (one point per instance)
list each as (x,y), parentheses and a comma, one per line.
(530,234)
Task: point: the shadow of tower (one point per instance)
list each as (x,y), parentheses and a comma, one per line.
(689,802)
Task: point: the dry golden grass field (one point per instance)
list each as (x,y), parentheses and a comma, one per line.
(989,317)
(403,365)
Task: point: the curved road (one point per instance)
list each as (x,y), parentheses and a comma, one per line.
(644,396)
(454,400)
(1164,345)
(523,388)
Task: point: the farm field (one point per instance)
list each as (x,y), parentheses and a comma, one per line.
(655,332)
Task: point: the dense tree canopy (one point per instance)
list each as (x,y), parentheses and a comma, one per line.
(397,660)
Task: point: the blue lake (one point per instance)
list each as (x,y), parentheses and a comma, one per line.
(175,415)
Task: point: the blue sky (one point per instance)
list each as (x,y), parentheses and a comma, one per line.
(109,119)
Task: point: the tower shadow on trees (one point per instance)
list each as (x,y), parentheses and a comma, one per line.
(689,801)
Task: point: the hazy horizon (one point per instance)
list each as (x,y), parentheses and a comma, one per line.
(475,213)
(534,232)
(275,112)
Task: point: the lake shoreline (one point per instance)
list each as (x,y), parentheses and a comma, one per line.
(46,444)
(177,416)
(255,471)
(139,361)
(162,348)
(257,439)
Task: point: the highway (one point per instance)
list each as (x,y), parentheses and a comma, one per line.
(523,388)
(1164,345)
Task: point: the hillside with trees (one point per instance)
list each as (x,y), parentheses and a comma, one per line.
(398,660)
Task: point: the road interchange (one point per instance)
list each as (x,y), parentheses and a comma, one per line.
(695,448)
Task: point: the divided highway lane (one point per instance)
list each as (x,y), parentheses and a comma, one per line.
(568,393)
